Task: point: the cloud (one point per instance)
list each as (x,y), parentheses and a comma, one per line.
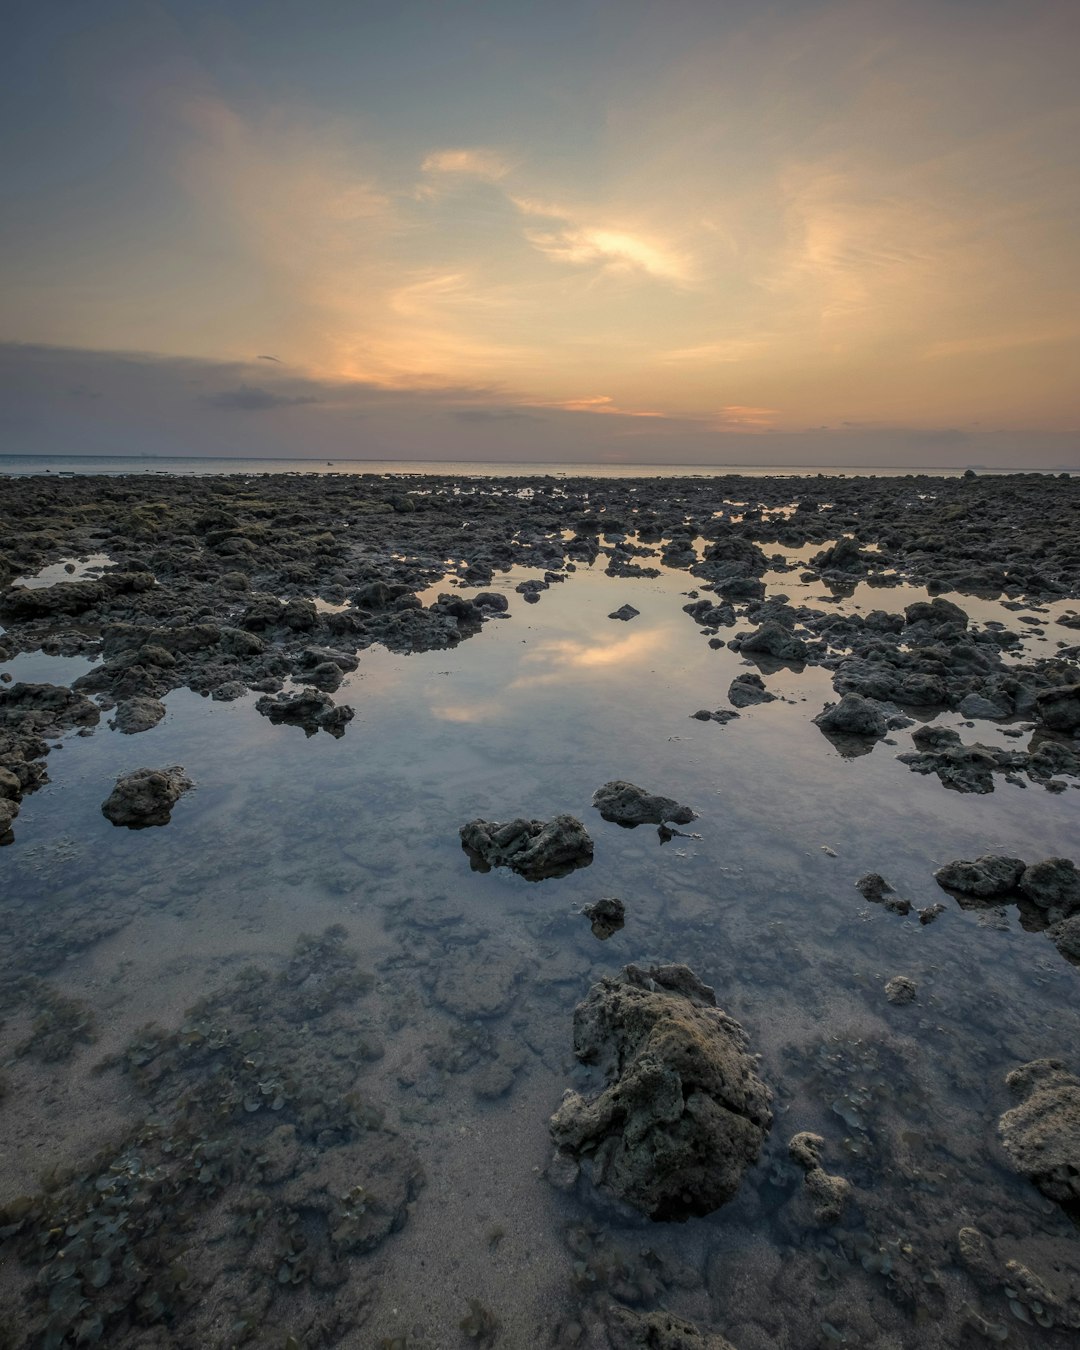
(476,162)
(616,248)
(495,415)
(250,398)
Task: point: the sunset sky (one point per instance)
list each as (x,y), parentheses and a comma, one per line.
(726,232)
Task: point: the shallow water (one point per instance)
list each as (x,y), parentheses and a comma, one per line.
(286,834)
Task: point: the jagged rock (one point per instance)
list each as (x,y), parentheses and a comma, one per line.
(721,715)
(710,615)
(494,601)
(625,612)
(747,690)
(975,705)
(607,916)
(1066,936)
(901,989)
(535,849)
(146,797)
(308,708)
(992,874)
(853,716)
(937,613)
(683,1113)
(827,1194)
(772,639)
(1053,884)
(930,913)
(137,714)
(47,709)
(873,886)
(1059,708)
(628,805)
(632,1330)
(9,809)
(963,768)
(1042,1134)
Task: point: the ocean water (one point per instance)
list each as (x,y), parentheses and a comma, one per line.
(126,464)
(462,1035)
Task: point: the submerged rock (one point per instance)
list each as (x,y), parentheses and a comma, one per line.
(827,1194)
(1042,1134)
(873,886)
(535,849)
(683,1114)
(146,797)
(633,1330)
(628,805)
(901,989)
(607,916)
(992,874)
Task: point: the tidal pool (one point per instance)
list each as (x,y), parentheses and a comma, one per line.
(460,1040)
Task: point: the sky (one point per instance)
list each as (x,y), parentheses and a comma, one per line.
(723,232)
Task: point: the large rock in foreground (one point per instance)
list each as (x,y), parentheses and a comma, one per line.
(634,1330)
(535,849)
(146,797)
(1042,1134)
(683,1114)
(628,805)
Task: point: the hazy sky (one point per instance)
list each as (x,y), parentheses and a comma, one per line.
(723,231)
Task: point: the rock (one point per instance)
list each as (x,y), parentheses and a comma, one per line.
(607,916)
(1042,1134)
(1060,708)
(721,715)
(625,612)
(628,805)
(1052,884)
(930,913)
(146,797)
(494,601)
(853,716)
(771,639)
(827,1194)
(683,1114)
(963,768)
(535,849)
(48,709)
(709,615)
(10,785)
(747,690)
(633,1330)
(873,886)
(975,705)
(900,990)
(936,613)
(9,809)
(308,708)
(992,874)
(300,615)
(137,714)
(1066,936)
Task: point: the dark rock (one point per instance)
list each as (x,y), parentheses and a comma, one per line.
(721,715)
(535,849)
(146,797)
(853,716)
(873,886)
(930,913)
(628,805)
(625,612)
(137,714)
(901,989)
(683,1114)
(1053,884)
(748,690)
(494,601)
(1059,708)
(308,708)
(771,639)
(1042,1134)
(993,874)
(607,916)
